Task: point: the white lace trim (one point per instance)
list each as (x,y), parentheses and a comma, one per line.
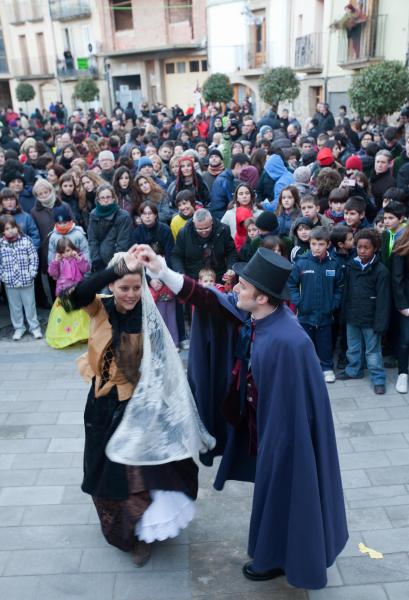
(169,513)
(161,423)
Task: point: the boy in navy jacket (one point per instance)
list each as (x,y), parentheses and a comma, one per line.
(316,289)
(366,308)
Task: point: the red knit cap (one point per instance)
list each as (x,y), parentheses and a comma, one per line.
(325,157)
(353,163)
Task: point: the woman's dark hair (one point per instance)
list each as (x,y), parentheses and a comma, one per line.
(117,176)
(8,193)
(234,202)
(65,243)
(8,220)
(258,159)
(57,168)
(327,180)
(151,205)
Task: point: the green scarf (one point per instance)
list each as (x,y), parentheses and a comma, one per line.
(106,211)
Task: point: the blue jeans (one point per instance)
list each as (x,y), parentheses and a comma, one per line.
(364,343)
(322,339)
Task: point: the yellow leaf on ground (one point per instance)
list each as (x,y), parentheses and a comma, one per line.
(372,553)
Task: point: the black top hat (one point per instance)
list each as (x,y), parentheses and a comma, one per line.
(268,272)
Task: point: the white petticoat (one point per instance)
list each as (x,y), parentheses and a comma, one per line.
(166,516)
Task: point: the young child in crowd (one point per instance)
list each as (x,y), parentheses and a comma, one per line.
(18,269)
(276,244)
(166,303)
(68,268)
(65,227)
(342,244)
(301,237)
(252,233)
(379,224)
(310,208)
(391,195)
(342,250)
(288,209)
(336,200)
(316,288)
(354,214)
(366,308)
(395,224)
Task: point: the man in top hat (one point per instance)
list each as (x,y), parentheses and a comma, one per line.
(279,430)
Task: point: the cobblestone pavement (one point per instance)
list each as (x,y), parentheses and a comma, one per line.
(51,547)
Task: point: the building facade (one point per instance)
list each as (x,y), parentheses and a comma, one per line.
(154,50)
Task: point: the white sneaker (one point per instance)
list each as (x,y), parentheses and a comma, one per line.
(329,376)
(37,335)
(402,383)
(185,345)
(18,334)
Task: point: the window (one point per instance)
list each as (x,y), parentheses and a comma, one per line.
(194,66)
(179,11)
(204,65)
(181,67)
(122,14)
(169,68)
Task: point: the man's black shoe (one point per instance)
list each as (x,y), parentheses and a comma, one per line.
(379,389)
(254,576)
(344,376)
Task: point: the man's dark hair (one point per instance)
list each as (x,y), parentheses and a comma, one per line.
(368,234)
(397,209)
(339,234)
(390,133)
(394,194)
(355,203)
(320,233)
(341,139)
(240,159)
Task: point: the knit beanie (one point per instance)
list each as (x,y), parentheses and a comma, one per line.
(353,163)
(62,215)
(106,154)
(215,152)
(302,175)
(267,221)
(144,161)
(250,175)
(325,157)
(264,129)
(10,175)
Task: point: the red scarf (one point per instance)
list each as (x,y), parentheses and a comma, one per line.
(215,171)
(64,228)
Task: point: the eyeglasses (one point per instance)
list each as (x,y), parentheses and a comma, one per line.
(109,197)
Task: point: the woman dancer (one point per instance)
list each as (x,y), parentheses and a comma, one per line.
(142,429)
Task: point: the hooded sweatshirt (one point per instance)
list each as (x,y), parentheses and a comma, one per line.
(276,170)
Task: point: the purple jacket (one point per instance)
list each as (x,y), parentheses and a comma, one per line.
(68,271)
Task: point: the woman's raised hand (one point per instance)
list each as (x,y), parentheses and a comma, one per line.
(147,257)
(131,261)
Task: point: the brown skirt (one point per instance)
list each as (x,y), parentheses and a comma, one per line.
(119,517)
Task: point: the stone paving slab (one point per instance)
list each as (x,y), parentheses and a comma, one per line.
(51,547)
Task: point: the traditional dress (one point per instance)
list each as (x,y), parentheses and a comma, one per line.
(145,489)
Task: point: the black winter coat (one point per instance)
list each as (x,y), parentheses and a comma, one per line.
(379,185)
(402,179)
(193,253)
(400,281)
(44,219)
(107,235)
(366,301)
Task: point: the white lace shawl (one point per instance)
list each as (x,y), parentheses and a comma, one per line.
(161,423)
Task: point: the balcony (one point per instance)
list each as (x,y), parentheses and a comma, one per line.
(248,57)
(362,45)
(33,67)
(86,67)
(308,53)
(63,10)
(20,12)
